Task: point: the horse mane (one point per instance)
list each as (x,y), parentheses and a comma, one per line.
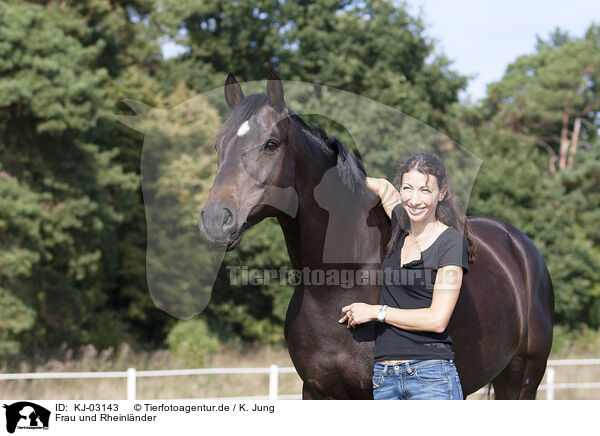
(351,169)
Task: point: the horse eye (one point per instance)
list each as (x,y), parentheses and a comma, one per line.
(271,145)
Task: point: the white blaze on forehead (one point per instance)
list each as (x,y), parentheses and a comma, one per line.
(243,129)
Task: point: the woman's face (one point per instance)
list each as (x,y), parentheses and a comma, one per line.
(420,195)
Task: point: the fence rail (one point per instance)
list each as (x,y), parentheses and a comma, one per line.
(132,375)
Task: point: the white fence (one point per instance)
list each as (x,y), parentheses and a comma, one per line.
(131,375)
(551,386)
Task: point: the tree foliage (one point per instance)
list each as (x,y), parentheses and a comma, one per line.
(51,101)
(551,96)
(537,132)
(73,226)
(372,48)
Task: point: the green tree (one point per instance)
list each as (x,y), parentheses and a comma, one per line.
(21,217)
(514,185)
(551,96)
(51,100)
(373,48)
(238,36)
(537,134)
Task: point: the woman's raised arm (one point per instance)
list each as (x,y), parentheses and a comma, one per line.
(390,197)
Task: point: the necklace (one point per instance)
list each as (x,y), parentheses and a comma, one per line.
(412,238)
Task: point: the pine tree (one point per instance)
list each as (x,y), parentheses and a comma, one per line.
(51,98)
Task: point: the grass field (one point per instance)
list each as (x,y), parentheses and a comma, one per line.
(200,386)
(584,343)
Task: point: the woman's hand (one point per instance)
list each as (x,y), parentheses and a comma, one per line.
(373,184)
(390,197)
(359,313)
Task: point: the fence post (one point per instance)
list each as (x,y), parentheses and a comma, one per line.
(273,382)
(550,383)
(131,383)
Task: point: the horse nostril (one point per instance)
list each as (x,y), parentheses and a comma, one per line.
(228,217)
(217,221)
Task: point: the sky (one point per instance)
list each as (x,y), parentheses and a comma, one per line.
(484,37)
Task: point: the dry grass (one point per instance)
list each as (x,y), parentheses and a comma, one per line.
(570,374)
(201,386)
(584,343)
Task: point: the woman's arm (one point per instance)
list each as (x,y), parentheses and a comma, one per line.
(390,197)
(434,318)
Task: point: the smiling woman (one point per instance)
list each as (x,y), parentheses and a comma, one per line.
(413,348)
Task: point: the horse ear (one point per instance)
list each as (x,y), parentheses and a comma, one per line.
(233,91)
(275,91)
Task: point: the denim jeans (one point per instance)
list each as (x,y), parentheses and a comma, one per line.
(417,380)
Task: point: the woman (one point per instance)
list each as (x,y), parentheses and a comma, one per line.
(425,261)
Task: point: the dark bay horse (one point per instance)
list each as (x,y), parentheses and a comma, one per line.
(503,320)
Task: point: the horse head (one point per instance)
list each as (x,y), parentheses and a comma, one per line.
(270,163)
(256,170)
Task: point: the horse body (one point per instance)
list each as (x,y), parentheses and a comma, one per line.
(502,322)
(333,361)
(501,326)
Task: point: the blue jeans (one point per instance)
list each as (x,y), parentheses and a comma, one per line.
(417,380)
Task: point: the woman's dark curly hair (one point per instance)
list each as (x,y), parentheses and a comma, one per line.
(447,210)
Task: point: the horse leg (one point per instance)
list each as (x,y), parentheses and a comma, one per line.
(312,394)
(311,391)
(539,334)
(523,374)
(534,372)
(538,348)
(306,395)
(507,384)
(520,379)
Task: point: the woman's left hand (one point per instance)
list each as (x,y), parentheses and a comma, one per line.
(373,184)
(358,313)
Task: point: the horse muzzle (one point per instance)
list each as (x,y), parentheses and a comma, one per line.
(218,224)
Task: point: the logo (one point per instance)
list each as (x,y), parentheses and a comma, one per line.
(26,415)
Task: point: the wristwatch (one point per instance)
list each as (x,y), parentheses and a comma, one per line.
(381,313)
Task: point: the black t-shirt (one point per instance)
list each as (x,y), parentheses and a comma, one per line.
(410,286)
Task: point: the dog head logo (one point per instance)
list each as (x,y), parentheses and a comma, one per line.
(26,415)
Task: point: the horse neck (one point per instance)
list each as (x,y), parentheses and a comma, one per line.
(305,234)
